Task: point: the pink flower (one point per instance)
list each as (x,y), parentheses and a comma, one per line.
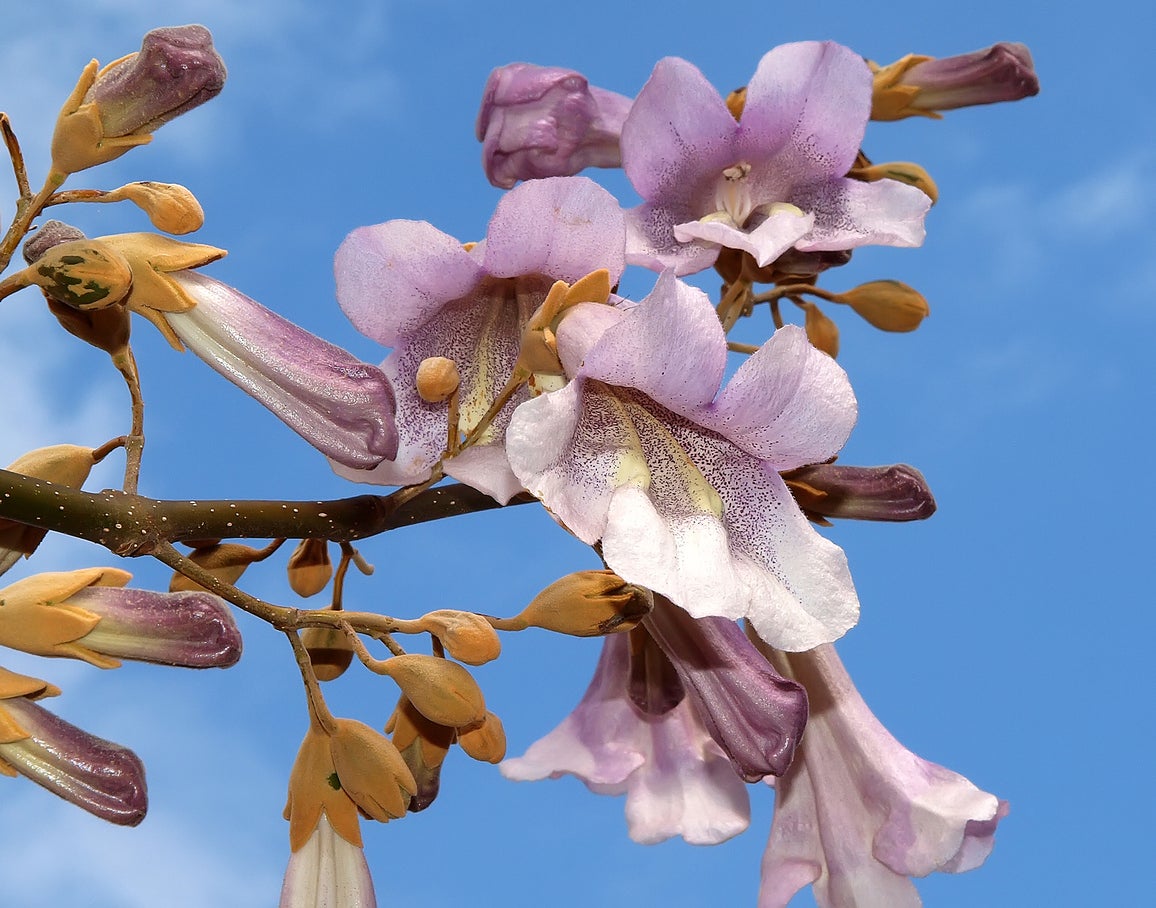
(858,813)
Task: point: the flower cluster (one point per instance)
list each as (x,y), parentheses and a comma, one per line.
(516,368)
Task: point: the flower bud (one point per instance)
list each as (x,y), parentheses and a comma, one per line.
(83,274)
(585,604)
(85,615)
(309,567)
(99,776)
(226,561)
(903,171)
(485,741)
(170,207)
(467,637)
(437,379)
(118,107)
(890,493)
(821,331)
(541,121)
(423,745)
(440,690)
(888,305)
(330,651)
(920,86)
(66,465)
(371,771)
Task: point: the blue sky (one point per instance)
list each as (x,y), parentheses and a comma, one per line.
(1005,638)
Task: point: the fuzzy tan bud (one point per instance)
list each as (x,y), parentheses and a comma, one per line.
(330,651)
(169,206)
(66,465)
(226,561)
(440,690)
(485,741)
(821,331)
(82,274)
(888,305)
(904,172)
(309,567)
(423,745)
(467,637)
(585,604)
(437,379)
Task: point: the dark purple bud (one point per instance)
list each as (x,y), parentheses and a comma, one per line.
(51,233)
(176,70)
(891,493)
(188,630)
(753,713)
(541,121)
(923,85)
(99,776)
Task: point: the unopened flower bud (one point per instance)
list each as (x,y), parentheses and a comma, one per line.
(51,233)
(66,465)
(737,102)
(821,331)
(437,379)
(467,637)
(371,771)
(118,107)
(170,206)
(585,604)
(890,493)
(99,776)
(904,172)
(888,305)
(226,561)
(309,567)
(86,615)
(541,121)
(423,745)
(920,86)
(485,741)
(83,274)
(440,690)
(330,651)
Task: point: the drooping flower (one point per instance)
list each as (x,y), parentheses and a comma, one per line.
(409,286)
(858,813)
(327,872)
(676,779)
(99,776)
(542,121)
(87,615)
(680,481)
(772,181)
(920,86)
(120,106)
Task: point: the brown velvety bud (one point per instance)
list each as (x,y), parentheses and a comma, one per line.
(330,651)
(737,102)
(467,637)
(821,331)
(440,690)
(888,305)
(485,741)
(423,745)
(584,604)
(371,771)
(310,569)
(437,379)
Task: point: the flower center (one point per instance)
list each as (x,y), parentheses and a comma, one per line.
(732,197)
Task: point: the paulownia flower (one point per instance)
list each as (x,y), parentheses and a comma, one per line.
(858,813)
(99,776)
(542,121)
(772,181)
(409,286)
(679,480)
(676,779)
